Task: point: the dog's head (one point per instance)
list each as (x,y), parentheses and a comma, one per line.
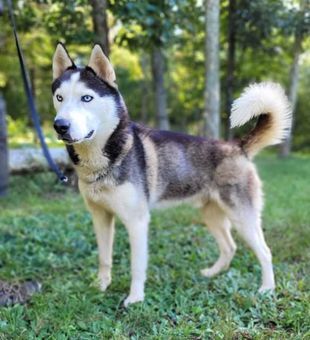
(86,99)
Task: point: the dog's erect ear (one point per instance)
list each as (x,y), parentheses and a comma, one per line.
(102,66)
(61,61)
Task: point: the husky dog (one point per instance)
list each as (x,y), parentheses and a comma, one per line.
(126,169)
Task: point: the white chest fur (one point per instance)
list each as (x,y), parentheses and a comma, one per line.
(92,163)
(123,200)
(99,187)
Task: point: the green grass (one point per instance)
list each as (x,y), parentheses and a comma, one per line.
(45,233)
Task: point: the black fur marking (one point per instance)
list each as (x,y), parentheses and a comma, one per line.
(55,85)
(214,154)
(72,154)
(91,80)
(64,77)
(181,189)
(160,137)
(116,142)
(122,173)
(72,67)
(140,156)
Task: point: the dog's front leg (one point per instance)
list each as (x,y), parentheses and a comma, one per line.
(138,233)
(104,229)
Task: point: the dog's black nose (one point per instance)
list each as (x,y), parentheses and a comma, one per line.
(61,126)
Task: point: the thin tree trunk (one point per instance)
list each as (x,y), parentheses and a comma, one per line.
(230,67)
(4,167)
(144,88)
(285,147)
(212,82)
(1,7)
(158,69)
(100,23)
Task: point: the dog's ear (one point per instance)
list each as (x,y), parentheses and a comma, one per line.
(61,61)
(102,66)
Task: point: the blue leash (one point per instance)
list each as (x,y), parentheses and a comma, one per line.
(31,104)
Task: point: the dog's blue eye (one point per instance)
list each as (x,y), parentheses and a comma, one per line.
(59,98)
(86,98)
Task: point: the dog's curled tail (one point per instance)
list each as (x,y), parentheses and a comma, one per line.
(268,102)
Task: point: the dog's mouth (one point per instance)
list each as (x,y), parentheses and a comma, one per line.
(89,134)
(68,140)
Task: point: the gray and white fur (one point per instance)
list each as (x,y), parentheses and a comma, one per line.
(126,169)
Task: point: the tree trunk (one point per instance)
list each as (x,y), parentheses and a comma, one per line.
(285,147)
(212,82)
(1,8)
(144,88)
(4,167)
(158,69)
(229,90)
(100,23)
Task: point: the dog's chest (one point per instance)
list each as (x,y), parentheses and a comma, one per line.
(92,165)
(120,199)
(99,183)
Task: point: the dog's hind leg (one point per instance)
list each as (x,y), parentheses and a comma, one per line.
(248,224)
(103,222)
(138,234)
(219,226)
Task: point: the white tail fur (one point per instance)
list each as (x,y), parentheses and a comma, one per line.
(269,101)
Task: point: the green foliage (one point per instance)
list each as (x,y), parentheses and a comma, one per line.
(264,51)
(258,22)
(61,19)
(45,233)
(66,17)
(146,23)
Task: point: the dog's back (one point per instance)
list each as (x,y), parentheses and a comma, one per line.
(207,169)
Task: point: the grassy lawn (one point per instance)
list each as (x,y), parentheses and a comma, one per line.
(45,233)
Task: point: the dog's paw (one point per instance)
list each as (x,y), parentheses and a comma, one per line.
(104,280)
(208,272)
(133,298)
(266,289)
(104,284)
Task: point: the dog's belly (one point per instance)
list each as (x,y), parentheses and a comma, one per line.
(197,201)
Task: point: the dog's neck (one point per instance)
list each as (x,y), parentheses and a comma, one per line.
(96,158)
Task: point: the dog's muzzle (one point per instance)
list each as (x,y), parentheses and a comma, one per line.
(62,126)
